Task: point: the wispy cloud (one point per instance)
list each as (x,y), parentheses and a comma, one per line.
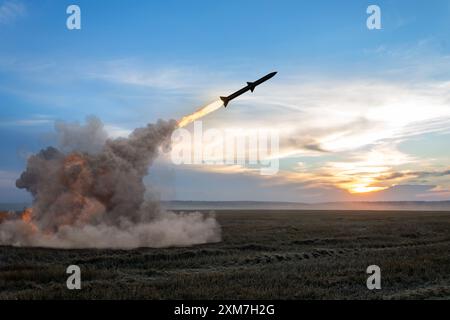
(10,10)
(137,73)
(27,122)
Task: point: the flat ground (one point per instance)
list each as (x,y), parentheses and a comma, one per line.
(263,255)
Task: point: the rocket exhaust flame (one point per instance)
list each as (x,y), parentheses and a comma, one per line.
(92,195)
(200,113)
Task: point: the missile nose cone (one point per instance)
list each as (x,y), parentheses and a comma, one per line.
(272,74)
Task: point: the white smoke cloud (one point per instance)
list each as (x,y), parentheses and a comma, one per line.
(171,229)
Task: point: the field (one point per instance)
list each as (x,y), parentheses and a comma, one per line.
(263,255)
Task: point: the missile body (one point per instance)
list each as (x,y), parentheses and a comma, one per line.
(250,86)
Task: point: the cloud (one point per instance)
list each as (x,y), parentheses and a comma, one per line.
(417,174)
(399,193)
(315,140)
(27,122)
(136,73)
(10,10)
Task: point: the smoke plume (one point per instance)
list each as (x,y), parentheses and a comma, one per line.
(90,193)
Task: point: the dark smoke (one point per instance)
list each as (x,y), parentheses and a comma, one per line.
(90,193)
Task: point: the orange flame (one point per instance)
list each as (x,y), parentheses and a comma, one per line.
(74,159)
(213,106)
(27,217)
(4,215)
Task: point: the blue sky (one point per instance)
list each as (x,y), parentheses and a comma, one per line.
(134,62)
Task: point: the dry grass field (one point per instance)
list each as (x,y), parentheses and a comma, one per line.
(263,255)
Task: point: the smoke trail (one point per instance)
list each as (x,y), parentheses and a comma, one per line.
(90,193)
(203,111)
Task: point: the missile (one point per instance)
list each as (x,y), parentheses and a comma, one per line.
(250,86)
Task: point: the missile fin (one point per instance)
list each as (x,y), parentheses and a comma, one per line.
(225,101)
